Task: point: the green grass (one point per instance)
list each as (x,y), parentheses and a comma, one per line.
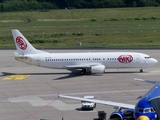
(101,28)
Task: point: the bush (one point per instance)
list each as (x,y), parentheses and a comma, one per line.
(97,34)
(55,41)
(145,19)
(137,19)
(113,19)
(37,41)
(77,34)
(154,18)
(93,20)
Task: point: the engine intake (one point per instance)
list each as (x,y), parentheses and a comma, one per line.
(116,117)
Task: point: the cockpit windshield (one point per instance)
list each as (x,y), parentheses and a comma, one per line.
(145,110)
(147,57)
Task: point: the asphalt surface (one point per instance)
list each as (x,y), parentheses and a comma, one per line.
(30,93)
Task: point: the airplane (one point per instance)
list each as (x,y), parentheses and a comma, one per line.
(89,62)
(147,108)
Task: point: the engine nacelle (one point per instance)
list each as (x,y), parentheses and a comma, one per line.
(122,114)
(116,116)
(98,69)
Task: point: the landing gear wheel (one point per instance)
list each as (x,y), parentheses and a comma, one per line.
(141,70)
(81,72)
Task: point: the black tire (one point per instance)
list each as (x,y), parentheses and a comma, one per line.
(95,106)
(141,70)
(81,72)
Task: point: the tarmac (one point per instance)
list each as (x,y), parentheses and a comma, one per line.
(31,93)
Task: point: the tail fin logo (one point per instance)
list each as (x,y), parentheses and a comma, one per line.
(21,43)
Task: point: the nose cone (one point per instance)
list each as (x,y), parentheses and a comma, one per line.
(155,61)
(143,118)
(152,61)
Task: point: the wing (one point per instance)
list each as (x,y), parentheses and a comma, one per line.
(81,66)
(101,102)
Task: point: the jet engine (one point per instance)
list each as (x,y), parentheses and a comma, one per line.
(116,116)
(98,69)
(122,114)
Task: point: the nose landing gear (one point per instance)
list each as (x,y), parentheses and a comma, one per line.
(141,70)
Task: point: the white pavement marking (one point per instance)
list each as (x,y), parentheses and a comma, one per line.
(37,101)
(87,93)
(63,106)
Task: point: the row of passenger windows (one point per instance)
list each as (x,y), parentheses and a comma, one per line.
(86,59)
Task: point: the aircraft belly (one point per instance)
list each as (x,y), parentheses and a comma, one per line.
(26,60)
(122,65)
(53,65)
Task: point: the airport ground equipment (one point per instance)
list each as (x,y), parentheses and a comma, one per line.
(102,115)
(87,105)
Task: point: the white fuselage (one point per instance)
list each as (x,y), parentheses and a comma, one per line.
(108,59)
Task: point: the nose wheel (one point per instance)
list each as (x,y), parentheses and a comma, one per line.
(141,70)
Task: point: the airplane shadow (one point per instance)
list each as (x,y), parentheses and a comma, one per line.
(99,119)
(79,109)
(120,72)
(68,75)
(8,73)
(72,74)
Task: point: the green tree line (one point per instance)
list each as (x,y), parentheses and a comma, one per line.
(23,5)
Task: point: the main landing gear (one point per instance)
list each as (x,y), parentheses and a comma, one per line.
(84,71)
(141,70)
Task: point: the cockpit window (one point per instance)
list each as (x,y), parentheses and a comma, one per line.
(145,110)
(140,110)
(147,57)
